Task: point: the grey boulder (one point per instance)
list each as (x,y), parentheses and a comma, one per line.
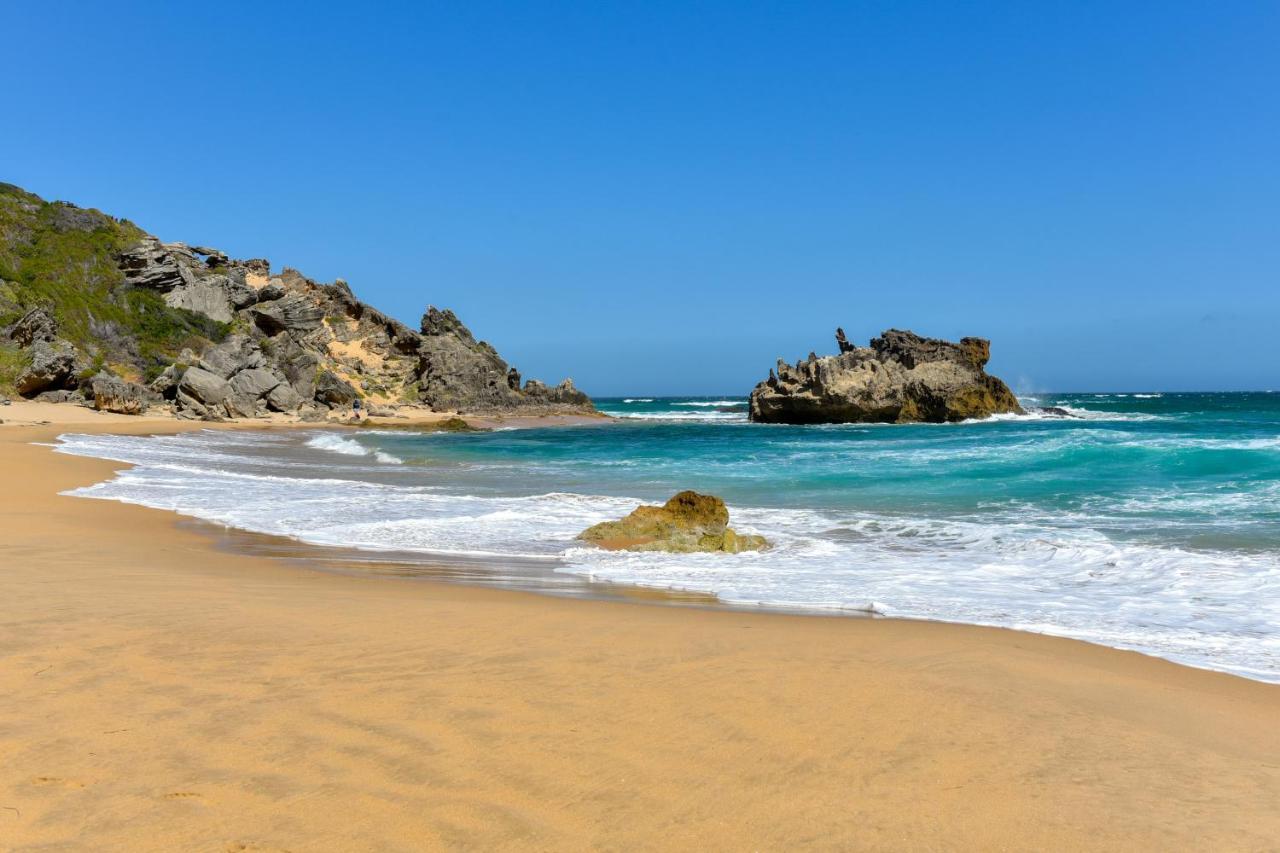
(207,296)
(254,383)
(204,387)
(233,355)
(52,364)
(112,394)
(334,392)
(240,406)
(35,325)
(283,398)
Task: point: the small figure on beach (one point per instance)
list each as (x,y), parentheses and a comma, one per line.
(355,409)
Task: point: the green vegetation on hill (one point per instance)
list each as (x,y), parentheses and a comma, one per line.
(12,361)
(64,258)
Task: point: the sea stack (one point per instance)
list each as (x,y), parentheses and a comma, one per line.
(900,378)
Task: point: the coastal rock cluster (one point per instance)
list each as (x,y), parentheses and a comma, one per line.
(687,523)
(456,372)
(96,310)
(900,378)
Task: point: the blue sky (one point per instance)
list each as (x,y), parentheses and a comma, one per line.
(663,198)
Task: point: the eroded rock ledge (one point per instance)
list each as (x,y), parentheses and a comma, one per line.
(900,378)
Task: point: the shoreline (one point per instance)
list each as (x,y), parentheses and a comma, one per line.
(506,718)
(28,413)
(551,575)
(486,574)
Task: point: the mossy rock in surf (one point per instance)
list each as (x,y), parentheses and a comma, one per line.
(447,425)
(456,425)
(687,523)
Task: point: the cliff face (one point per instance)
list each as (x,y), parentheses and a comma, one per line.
(86,298)
(900,378)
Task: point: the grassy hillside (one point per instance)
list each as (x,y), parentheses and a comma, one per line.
(63,258)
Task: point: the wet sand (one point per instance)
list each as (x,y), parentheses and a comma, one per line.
(158,692)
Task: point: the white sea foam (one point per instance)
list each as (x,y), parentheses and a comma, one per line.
(335,443)
(682,416)
(714,403)
(1014,566)
(638,400)
(1181,442)
(1073,413)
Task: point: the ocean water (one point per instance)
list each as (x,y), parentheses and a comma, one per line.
(1148,521)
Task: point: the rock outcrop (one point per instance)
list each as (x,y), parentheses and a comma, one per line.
(112,394)
(35,325)
(52,364)
(214,337)
(687,523)
(457,372)
(900,378)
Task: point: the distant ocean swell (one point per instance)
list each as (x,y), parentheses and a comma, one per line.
(1151,524)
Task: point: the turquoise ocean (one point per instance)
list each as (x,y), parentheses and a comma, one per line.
(1145,521)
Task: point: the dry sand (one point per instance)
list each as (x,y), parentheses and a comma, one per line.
(157,693)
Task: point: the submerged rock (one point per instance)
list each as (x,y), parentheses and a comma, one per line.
(1057,412)
(900,378)
(455,425)
(688,522)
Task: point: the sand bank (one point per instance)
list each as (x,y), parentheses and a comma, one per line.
(157,693)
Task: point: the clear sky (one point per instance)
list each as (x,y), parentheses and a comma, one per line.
(665,197)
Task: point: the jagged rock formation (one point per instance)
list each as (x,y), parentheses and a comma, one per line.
(900,378)
(51,364)
(85,298)
(458,372)
(111,394)
(35,325)
(687,523)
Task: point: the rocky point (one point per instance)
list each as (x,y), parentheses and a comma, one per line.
(94,310)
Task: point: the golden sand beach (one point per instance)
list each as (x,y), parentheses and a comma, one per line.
(158,693)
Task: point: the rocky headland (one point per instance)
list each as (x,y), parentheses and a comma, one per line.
(687,523)
(900,378)
(95,311)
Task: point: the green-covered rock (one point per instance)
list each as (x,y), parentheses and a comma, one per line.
(687,523)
